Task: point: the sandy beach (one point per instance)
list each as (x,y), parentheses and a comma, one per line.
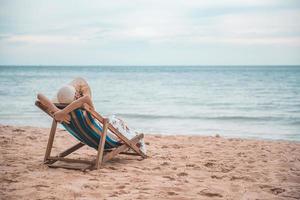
(179,167)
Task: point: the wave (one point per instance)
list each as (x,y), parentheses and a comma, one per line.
(222,118)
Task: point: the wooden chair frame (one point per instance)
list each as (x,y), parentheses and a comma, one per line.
(102,154)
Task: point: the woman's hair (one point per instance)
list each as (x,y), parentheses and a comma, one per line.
(66,94)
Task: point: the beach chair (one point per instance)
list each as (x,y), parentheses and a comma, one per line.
(85,129)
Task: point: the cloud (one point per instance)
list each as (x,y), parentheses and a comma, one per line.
(44,39)
(156,24)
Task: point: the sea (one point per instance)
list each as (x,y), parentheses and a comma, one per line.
(261,102)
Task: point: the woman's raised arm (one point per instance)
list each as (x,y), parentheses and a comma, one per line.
(52,108)
(46,102)
(61,114)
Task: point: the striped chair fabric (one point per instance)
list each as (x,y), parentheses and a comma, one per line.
(85,128)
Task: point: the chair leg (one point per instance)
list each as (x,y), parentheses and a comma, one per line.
(101,145)
(71,149)
(126,141)
(50,140)
(121,148)
(51,160)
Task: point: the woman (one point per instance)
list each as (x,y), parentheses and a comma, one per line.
(76,93)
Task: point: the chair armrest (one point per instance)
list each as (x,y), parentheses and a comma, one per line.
(58,105)
(43,108)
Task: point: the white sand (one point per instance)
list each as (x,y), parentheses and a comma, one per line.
(179,167)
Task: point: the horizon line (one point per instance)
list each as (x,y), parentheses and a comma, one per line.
(156,65)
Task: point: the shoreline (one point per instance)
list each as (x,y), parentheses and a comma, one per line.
(179,167)
(178,134)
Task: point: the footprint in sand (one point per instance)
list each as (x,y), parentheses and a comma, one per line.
(176,146)
(244,178)
(144,189)
(156,168)
(241,154)
(31,137)
(277,191)
(121,187)
(9,180)
(209,164)
(217,177)
(272,190)
(93,179)
(190,165)
(226,169)
(182,174)
(90,186)
(113,195)
(210,193)
(171,193)
(18,130)
(123,192)
(165,157)
(165,164)
(169,177)
(41,186)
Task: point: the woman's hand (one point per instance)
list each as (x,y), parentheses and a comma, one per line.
(61,116)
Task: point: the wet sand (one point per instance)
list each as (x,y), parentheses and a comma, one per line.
(179,167)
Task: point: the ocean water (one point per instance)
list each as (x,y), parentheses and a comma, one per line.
(232,101)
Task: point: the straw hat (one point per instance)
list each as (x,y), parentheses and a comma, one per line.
(66,94)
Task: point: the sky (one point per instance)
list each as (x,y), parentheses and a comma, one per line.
(156,32)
